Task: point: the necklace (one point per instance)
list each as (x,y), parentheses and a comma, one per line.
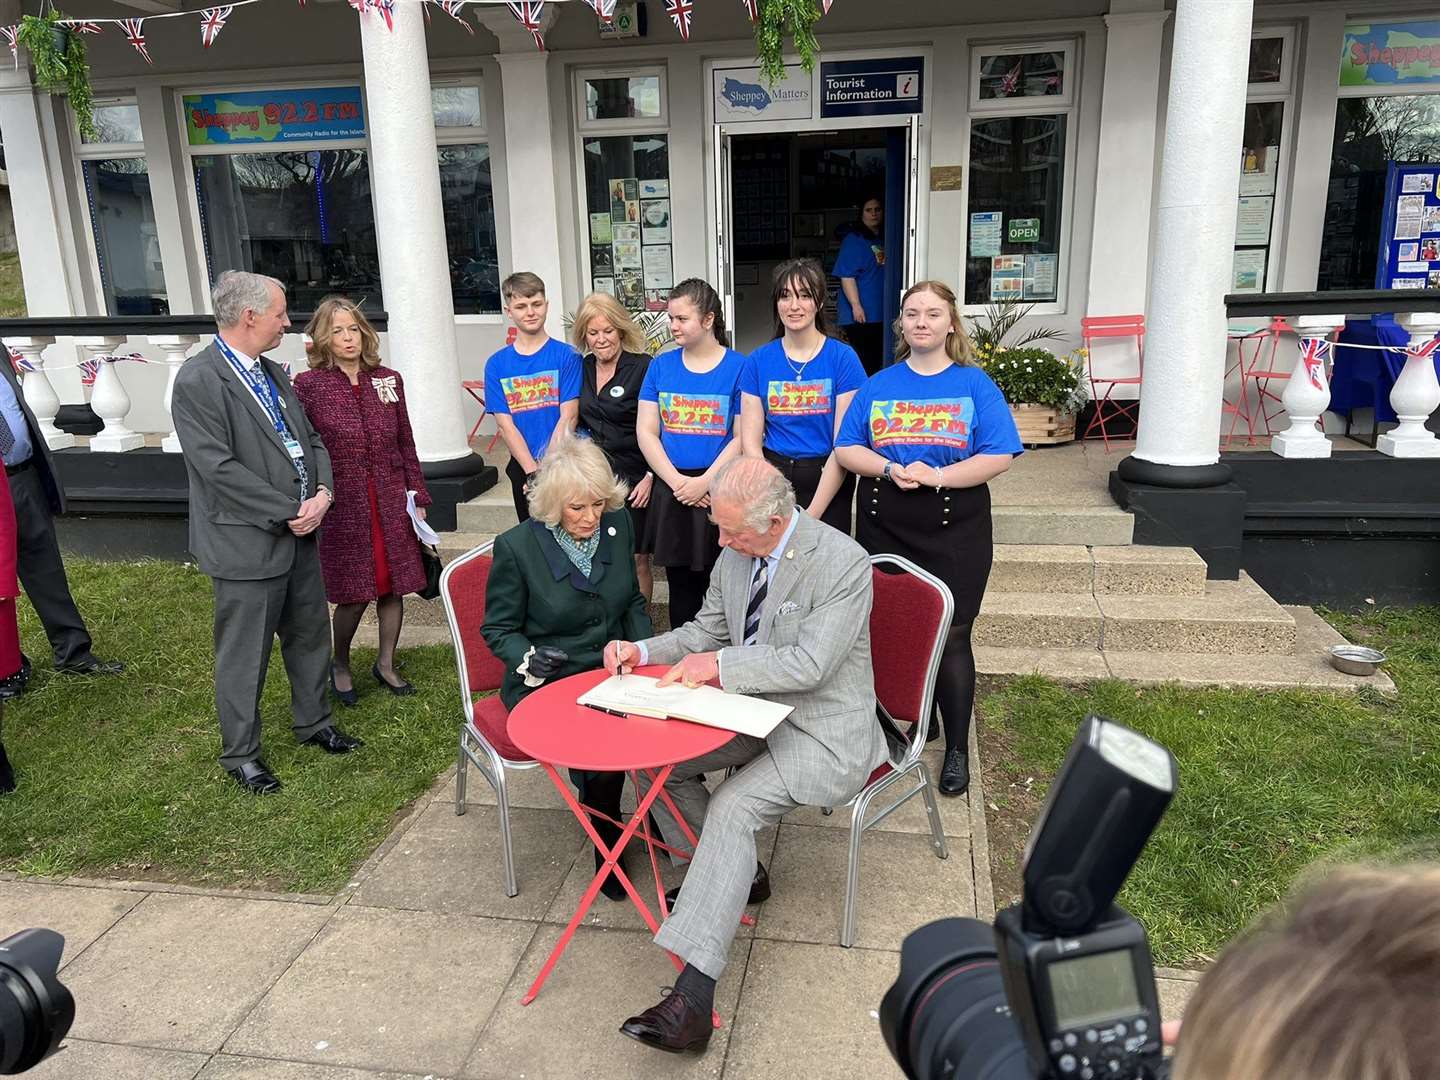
(799,369)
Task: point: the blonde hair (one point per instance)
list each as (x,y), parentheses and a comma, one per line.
(957,342)
(1345,985)
(573,466)
(599,305)
(318,353)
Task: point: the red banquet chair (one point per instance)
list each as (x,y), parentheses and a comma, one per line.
(484,740)
(909,620)
(1112,326)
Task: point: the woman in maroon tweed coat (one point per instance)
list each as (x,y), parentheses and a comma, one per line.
(368,548)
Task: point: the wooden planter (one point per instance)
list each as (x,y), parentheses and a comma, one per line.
(1042,426)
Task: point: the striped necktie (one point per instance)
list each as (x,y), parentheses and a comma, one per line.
(759,585)
(7,437)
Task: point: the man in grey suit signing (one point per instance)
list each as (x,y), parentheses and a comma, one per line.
(259,487)
(787,617)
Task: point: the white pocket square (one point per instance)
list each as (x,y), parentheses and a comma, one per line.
(788,607)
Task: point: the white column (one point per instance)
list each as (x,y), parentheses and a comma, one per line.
(109,400)
(1307,394)
(1317,91)
(174,346)
(1415,395)
(1185,345)
(410,228)
(39,394)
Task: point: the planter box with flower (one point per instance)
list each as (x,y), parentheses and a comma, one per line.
(1044,391)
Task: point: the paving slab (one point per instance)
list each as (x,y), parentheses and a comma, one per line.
(1067,665)
(180,972)
(79,915)
(79,1059)
(1175,994)
(454,864)
(571,1030)
(902,885)
(524,787)
(810,1011)
(226,1067)
(910,818)
(394,990)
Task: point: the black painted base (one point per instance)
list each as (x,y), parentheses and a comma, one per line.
(1209,519)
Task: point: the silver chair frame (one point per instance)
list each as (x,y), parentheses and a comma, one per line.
(474,747)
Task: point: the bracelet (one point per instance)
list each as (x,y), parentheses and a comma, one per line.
(885,472)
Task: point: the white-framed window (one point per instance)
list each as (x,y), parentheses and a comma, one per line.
(1264,177)
(124,242)
(624,172)
(467,195)
(1021,172)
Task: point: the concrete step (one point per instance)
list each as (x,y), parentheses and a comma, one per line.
(1073,568)
(1091,526)
(490,513)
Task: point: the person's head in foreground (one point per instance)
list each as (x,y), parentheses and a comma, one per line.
(575,486)
(1342,984)
(751,503)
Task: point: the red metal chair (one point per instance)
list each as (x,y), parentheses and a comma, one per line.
(476,389)
(1112,326)
(484,740)
(1261,369)
(909,619)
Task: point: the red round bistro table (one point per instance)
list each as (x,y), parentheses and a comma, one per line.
(551,728)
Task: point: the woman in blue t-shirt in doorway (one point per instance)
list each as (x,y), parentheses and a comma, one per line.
(925,436)
(688,406)
(794,393)
(860,266)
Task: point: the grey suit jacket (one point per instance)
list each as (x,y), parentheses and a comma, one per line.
(44,464)
(243,487)
(812,652)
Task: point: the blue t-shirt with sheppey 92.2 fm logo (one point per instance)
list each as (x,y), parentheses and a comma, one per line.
(938,419)
(532,388)
(697,412)
(800,405)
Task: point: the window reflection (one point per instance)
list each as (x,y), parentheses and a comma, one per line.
(1012,75)
(622,98)
(1017,170)
(469,205)
(127,244)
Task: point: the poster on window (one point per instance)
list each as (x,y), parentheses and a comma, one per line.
(1257,170)
(627,255)
(655,220)
(1409,216)
(1040,274)
(1430,219)
(654,189)
(630,290)
(658,274)
(985,234)
(1252,220)
(1417,182)
(274,116)
(600,229)
(1007,277)
(1247,273)
(605,285)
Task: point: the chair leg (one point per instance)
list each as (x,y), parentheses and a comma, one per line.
(932,811)
(827,810)
(502,798)
(851,916)
(462,761)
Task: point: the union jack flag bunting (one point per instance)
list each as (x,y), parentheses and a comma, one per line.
(680,12)
(135,35)
(90,367)
(387,12)
(211,21)
(1011,80)
(825,4)
(1425,348)
(752,8)
(86,27)
(529,12)
(1313,353)
(605,9)
(456,10)
(18,362)
(9,34)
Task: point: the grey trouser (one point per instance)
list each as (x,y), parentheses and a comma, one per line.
(248,615)
(712,899)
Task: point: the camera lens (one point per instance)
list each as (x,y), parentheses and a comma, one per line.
(35,1009)
(946,1016)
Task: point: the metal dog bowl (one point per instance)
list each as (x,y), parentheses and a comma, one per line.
(1356,659)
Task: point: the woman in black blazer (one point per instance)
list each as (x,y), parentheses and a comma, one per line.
(563,584)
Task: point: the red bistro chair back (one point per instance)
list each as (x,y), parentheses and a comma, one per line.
(1107,409)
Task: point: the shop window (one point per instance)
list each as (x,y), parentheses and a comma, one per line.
(127,244)
(1006,75)
(469,205)
(624,97)
(457,107)
(302,216)
(627,201)
(1267,56)
(116,123)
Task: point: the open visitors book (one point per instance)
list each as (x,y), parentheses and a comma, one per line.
(643,696)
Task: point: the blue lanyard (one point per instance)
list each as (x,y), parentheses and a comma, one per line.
(269,401)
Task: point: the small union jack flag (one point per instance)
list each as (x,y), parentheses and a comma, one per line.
(752,8)
(1424,349)
(18,362)
(387,12)
(85,27)
(1313,353)
(211,21)
(135,35)
(680,12)
(9,34)
(605,9)
(1011,79)
(529,12)
(456,10)
(826,6)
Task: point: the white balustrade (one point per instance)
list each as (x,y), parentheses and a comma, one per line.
(1307,394)
(39,394)
(1416,394)
(108,399)
(174,346)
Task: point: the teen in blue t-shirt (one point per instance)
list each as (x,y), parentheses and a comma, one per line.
(860,266)
(795,391)
(925,436)
(688,405)
(531,387)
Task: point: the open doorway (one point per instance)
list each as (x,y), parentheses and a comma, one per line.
(798,194)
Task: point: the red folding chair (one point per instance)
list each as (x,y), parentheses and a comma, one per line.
(484,740)
(476,389)
(909,619)
(1260,368)
(1112,326)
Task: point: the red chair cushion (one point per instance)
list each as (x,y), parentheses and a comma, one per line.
(491,718)
(904,623)
(880,770)
(466,591)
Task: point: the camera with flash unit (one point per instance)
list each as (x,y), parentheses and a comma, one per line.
(1062,987)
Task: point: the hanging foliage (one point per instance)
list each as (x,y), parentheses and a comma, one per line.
(779,20)
(58,56)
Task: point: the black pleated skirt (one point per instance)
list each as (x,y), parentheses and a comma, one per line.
(680,535)
(804,476)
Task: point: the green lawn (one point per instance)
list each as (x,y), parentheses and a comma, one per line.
(12,290)
(1270,783)
(119,778)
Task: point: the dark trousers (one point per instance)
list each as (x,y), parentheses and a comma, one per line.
(687,591)
(42,572)
(248,615)
(601,791)
(804,476)
(868,341)
(517,490)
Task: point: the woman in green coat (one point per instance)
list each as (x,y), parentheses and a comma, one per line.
(562,585)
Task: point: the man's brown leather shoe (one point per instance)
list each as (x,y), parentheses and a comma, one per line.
(674,1026)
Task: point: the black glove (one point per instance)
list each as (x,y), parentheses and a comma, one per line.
(546,662)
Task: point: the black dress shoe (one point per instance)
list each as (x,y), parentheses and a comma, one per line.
(91,665)
(345,697)
(333,741)
(7,774)
(256,778)
(674,1026)
(14,685)
(403,689)
(955,775)
(759,888)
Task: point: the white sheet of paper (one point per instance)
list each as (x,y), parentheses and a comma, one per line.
(426,534)
(706,705)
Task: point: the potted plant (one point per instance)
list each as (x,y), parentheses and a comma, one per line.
(992,332)
(58,56)
(1045,391)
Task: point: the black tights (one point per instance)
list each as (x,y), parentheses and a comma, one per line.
(955,686)
(687,593)
(390,612)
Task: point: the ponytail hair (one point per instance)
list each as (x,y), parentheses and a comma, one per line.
(707,301)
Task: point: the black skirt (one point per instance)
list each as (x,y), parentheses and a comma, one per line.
(640,521)
(680,535)
(804,476)
(945,532)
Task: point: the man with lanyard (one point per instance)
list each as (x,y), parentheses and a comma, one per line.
(259,487)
